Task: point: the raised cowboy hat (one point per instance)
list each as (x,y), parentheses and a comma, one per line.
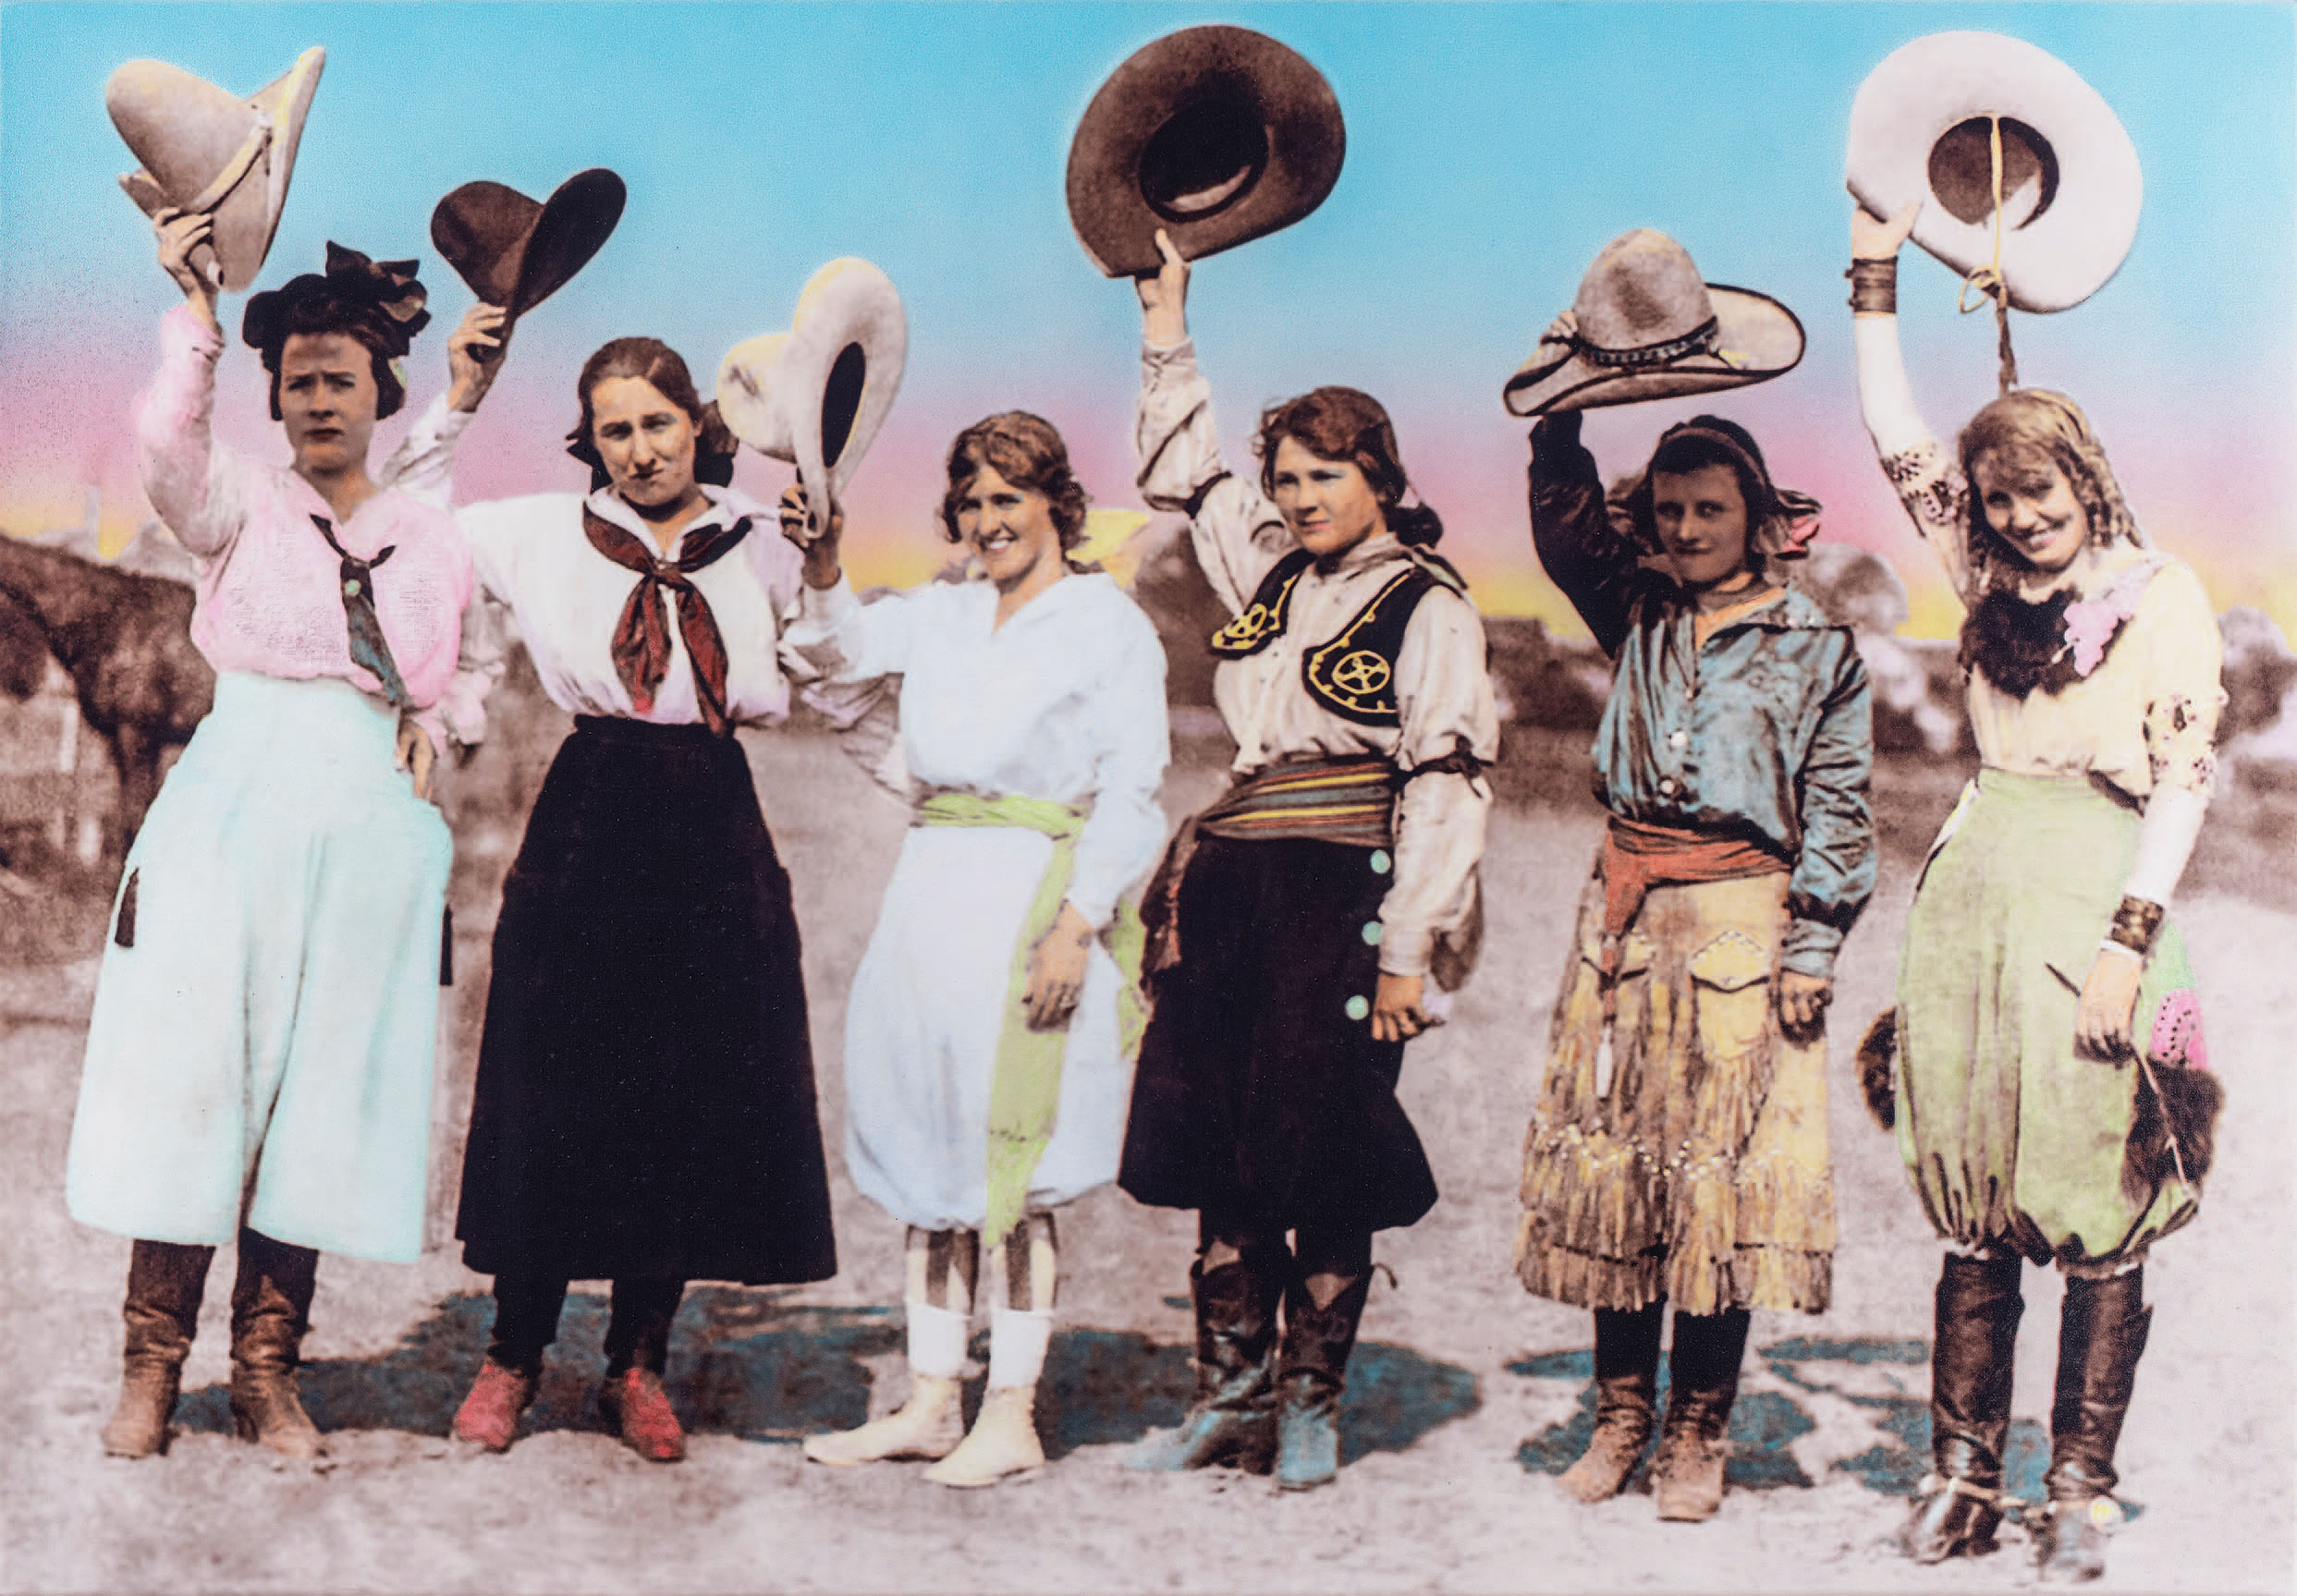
(1649,329)
(206,150)
(1921,129)
(515,253)
(816,395)
(1217,135)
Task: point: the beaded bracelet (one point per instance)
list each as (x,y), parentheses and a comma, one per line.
(2136,924)
(1875,286)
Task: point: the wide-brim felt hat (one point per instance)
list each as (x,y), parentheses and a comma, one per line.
(515,253)
(1921,129)
(205,149)
(1649,328)
(816,395)
(1216,134)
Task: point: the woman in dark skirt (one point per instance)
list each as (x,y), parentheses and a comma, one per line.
(1297,921)
(646,1107)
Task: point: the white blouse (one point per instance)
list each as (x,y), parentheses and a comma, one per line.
(565,597)
(1064,702)
(1443,688)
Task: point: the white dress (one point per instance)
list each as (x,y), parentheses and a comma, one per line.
(1065,702)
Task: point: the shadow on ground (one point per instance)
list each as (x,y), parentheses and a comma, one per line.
(1765,1425)
(745,1364)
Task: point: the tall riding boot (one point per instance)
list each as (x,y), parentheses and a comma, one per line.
(1627,1378)
(1312,1371)
(2100,1337)
(271,1304)
(1972,1355)
(166,1282)
(1703,1381)
(1231,1419)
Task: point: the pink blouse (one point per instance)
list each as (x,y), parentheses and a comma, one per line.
(270,596)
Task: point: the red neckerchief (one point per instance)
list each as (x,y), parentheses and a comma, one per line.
(641,638)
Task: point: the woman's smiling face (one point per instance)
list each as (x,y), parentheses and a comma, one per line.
(2032,507)
(1010,529)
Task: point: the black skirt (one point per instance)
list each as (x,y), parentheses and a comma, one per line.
(1259,1097)
(645,1088)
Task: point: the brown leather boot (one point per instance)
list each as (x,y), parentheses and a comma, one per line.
(270,1310)
(2100,1337)
(166,1282)
(1627,1376)
(1974,1349)
(1702,1379)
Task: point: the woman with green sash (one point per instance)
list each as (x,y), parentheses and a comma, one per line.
(2053,1101)
(994,1015)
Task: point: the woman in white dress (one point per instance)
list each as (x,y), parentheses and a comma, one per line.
(994,1017)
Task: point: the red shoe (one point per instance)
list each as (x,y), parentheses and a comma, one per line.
(489,1416)
(635,1401)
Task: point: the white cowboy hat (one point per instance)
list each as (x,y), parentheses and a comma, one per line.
(206,150)
(1645,327)
(816,395)
(1921,129)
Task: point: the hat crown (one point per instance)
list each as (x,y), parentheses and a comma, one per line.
(1642,290)
(182,127)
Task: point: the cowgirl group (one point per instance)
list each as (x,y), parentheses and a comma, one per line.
(1056,995)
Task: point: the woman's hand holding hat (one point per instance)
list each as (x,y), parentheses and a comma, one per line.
(474,356)
(1165,297)
(819,545)
(179,233)
(1872,238)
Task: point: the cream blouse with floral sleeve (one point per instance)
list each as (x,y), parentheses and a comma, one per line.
(2142,709)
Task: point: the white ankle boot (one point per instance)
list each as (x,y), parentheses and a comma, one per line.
(1003,1442)
(932,1423)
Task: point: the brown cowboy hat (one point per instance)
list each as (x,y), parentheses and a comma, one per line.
(515,253)
(1649,329)
(1218,135)
(205,149)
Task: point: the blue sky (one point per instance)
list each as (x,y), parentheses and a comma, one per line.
(1492,148)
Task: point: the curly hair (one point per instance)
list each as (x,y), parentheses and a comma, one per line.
(377,303)
(2034,426)
(651,361)
(1027,451)
(1335,423)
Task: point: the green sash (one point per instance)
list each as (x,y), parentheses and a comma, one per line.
(1025,1092)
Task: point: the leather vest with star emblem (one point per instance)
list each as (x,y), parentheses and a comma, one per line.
(1353,673)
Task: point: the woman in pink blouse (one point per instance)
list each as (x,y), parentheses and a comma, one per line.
(260,1055)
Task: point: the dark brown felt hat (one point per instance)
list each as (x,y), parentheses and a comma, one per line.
(515,253)
(1218,135)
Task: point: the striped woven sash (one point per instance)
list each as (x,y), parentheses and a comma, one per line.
(1343,800)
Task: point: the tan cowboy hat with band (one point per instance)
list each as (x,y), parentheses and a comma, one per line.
(816,395)
(1217,135)
(1647,328)
(206,150)
(1924,127)
(515,253)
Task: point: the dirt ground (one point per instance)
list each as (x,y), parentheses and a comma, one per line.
(1465,1398)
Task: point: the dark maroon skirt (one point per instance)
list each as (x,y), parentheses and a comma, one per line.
(645,1097)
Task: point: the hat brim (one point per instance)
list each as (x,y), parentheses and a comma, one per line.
(1260,79)
(1756,338)
(816,395)
(2055,259)
(513,252)
(187,131)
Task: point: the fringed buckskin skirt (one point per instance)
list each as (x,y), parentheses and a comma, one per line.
(265,1018)
(645,1096)
(2010,1135)
(1702,1173)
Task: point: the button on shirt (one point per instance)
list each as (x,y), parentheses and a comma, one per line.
(1763,730)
